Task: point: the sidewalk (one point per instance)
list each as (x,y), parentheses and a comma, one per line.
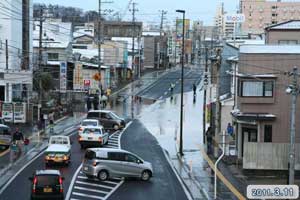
(37,144)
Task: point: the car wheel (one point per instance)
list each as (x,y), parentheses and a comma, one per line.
(146,175)
(116,127)
(103,175)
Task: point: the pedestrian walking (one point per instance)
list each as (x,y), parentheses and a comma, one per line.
(172,85)
(209,140)
(194,89)
(96,102)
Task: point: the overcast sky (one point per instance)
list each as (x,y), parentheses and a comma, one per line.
(149,9)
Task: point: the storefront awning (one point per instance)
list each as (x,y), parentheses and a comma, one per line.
(253,116)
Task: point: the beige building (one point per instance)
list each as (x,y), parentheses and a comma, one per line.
(260,14)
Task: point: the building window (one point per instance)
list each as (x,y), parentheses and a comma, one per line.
(257,88)
(274,22)
(287,42)
(16,92)
(274,15)
(53,56)
(268,133)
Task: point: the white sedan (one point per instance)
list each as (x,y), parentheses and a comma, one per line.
(88,122)
(92,136)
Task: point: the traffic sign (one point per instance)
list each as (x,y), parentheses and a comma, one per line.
(87,82)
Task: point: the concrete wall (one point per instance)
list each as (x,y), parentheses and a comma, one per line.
(272,156)
(273,37)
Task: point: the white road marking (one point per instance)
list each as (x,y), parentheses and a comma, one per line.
(87,195)
(94,184)
(83,186)
(90,190)
(25,166)
(72,183)
(110,182)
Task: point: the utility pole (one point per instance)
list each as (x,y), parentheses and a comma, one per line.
(133,10)
(205,83)
(182,83)
(294,90)
(217,115)
(6,54)
(40,69)
(161,49)
(175,54)
(99,47)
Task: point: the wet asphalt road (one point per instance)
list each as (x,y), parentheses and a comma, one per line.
(164,185)
(20,187)
(161,88)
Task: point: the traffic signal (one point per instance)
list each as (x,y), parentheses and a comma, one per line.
(205,79)
(97,76)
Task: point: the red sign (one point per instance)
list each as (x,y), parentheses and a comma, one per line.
(87,82)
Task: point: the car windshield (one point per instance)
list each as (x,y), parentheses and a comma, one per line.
(92,130)
(47,180)
(4,131)
(89,123)
(50,153)
(89,155)
(59,141)
(114,115)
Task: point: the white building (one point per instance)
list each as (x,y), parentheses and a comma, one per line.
(16,29)
(225,29)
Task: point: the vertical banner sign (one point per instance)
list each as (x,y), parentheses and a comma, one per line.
(63,77)
(78,77)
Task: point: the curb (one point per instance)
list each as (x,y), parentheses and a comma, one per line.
(192,178)
(185,187)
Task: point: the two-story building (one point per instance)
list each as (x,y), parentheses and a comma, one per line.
(262,113)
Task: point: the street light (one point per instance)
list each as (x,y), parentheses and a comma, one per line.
(182,72)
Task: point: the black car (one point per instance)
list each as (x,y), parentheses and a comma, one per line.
(47,184)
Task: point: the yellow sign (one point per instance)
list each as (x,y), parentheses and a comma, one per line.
(97,77)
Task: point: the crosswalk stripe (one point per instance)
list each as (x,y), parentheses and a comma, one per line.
(115,140)
(93,184)
(86,195)
(90,190)
(110,182)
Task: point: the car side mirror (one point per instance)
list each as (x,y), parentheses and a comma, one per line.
(139,162)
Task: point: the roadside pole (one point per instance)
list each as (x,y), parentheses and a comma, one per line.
(205,83)
(217,114)
(294,90)
(216,164)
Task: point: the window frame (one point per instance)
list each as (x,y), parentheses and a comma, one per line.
(241,89)
(54,57)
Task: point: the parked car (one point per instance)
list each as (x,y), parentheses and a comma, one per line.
(108,119)
(105,162)
(92,136)
(47,184)
(58,151)
(88,122)
(5,136)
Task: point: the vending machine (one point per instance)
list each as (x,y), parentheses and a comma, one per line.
(19,112)
(8,112)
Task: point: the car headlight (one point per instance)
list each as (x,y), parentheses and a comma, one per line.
(66,157)
(47,157)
